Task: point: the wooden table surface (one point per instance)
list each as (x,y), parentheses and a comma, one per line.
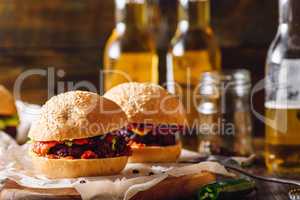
(270,191)
(170,188)
(265,190)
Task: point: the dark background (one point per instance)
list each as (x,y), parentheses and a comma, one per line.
(71,35)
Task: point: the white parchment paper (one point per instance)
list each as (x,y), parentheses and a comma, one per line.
(15,164)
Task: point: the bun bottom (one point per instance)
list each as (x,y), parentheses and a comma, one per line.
(155,154)
(65,168)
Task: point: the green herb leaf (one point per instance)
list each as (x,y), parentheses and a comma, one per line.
(2,124)
(30,141)
(69,143)
(12,121)
(114,141)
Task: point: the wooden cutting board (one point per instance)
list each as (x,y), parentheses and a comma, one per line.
(169,189)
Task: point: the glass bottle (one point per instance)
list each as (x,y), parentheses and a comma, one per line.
(194,51)
(225,124)
(236,124)
(282,101)
(130,50)
(208,107)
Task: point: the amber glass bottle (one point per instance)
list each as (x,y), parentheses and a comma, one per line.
(130,51)
(194,51)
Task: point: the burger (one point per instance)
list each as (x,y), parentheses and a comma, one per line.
(79,134)
(155,119)
(9,119)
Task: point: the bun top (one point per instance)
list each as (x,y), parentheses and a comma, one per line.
(147,103)
(7,102)
(76,115)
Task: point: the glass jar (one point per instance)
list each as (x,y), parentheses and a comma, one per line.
(225,124)
(236,115)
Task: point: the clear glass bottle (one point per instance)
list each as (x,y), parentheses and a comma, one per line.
(236,125)
(225,124)
(282,101)
(194,51)
(208,107)
(130,50)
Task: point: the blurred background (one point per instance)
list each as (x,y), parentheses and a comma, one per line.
(71,35)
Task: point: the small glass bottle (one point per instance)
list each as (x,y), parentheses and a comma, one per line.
(236,124)
(208,101)
(130,50)
(225,124)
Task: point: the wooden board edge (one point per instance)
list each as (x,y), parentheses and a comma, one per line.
(170,188)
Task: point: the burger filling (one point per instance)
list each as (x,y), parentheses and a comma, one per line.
(107,146)
(9,124)
(149,135)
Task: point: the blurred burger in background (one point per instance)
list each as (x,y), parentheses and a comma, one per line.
(9,119)
(155,120)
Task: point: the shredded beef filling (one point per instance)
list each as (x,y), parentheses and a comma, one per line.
(153,139)
(110,145)
(162,135)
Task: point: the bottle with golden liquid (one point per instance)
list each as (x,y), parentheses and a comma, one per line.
(282,102)
(194,51)
(130,51)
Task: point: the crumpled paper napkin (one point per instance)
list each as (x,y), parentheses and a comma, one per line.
(15,164)
(126,188)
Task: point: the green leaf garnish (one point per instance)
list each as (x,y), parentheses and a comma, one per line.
(12,121)
(69,143)
(114,141)
(30,141)
(2,124)
(9,121)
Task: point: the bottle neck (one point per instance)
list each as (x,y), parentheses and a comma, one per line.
(132,15)
(198,13)
(289,14)
(283,11)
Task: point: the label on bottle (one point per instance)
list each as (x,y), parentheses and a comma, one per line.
(282,116)
(283,85)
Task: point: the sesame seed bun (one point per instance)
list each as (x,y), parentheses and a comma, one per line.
(7,102)
(147,103)
(68,168)
(76,115)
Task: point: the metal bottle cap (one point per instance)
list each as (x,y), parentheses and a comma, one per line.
(238,80)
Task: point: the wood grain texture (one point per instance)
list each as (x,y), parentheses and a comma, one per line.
(71,35)
(171,188)
(271,191)
(166,190)
(14,191)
